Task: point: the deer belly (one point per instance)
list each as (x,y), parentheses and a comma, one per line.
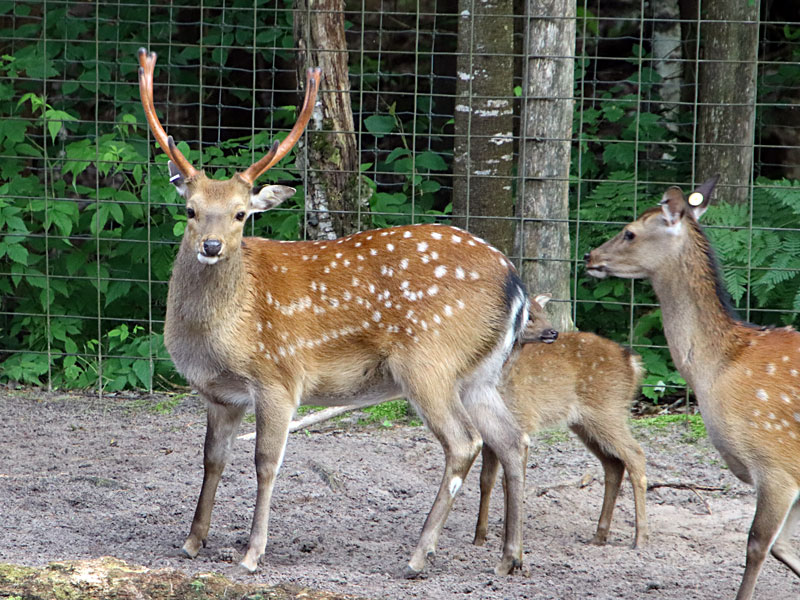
(726,449)
(362,387)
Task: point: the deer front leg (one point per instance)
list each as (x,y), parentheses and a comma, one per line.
(273,415)
(489,467)
(223,422)
(774,500)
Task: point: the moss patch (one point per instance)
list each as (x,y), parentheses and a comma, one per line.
(107,578)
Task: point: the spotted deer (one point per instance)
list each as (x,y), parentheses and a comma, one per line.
(588,383)
(746,378)
(428,312)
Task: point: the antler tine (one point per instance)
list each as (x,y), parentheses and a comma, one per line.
(147,65)
(278,151)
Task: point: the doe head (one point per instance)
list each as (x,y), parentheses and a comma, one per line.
(659,235)
(216,210)
(538,328)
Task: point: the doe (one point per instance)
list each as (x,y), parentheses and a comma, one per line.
(587,382)
(427,312)
(746,378)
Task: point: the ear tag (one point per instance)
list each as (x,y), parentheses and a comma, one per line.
(695,199)
(175,177)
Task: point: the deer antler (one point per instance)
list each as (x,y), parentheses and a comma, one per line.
(278,151)
(147,64)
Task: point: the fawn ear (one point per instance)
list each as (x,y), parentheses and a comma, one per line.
(177,179)
(673,206)
(700,198)
(542,299)
(269,196)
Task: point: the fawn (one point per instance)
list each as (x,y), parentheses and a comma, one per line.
(587,382)
(428,312)
(745,377)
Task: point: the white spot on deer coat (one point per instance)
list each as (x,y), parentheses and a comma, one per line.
(390,247)
(422,246)
(762,395)
(455,485)
(407,234)
(440,271)
(376,316)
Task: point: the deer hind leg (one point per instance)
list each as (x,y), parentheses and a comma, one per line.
(273,414)
(223,423)
(614,469)
(775,499)
(502,433)
(782,548)
(489,467)
(615,441)
(439,406)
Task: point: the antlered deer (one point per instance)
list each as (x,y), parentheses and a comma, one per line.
(746,378)
(428,312)
(587,382)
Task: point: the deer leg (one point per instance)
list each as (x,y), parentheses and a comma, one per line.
(223,423)
(451,425)
(489,466)
(774,501)
(613,469)
(273,415)
(782,548)
(503,435)
(617,442)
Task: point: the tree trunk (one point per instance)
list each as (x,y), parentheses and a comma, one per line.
(545,152)
(484,114)
(727,95)
(337,200)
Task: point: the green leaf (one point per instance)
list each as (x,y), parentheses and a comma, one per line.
(142,370)
(17,252)
(431,161)
(380,125)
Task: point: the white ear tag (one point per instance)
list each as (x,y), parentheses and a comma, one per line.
(695,199)
(175,177)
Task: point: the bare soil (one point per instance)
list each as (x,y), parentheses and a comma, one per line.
(82,478)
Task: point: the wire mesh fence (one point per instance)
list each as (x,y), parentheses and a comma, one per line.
(542,126)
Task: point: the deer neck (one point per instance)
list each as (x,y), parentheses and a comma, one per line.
(201,295)
(700,329)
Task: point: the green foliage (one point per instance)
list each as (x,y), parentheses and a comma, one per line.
(696,429)
(389,413)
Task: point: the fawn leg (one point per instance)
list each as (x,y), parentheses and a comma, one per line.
(782,549)
(489,466)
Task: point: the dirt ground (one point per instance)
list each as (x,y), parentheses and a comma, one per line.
(82,478)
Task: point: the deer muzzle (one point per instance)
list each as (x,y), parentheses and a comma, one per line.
(594,266)
(210,251)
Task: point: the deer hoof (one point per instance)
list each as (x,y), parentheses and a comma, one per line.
(191,548)
(249,565)
(410,573)
(508,566)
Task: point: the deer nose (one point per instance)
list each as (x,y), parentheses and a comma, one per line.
(212,247)
(587,256)
(548,336)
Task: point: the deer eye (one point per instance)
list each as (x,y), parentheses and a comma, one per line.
(240,215)
(628,235)
(190,213)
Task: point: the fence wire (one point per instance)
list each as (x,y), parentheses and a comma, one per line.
(456,110)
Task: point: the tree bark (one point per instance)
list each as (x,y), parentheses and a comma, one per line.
(546,141)
(338,203)
(484,114)
(727,95)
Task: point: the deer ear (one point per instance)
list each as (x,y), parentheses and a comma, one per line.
(673,206)
(700,198)
(177,179)
(269,196)
(542,299)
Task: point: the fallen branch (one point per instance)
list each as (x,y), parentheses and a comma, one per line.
(311,419)
(688,486)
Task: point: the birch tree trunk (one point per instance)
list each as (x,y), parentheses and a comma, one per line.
(338,201)
(727,95)
(484,123)
(546,141)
